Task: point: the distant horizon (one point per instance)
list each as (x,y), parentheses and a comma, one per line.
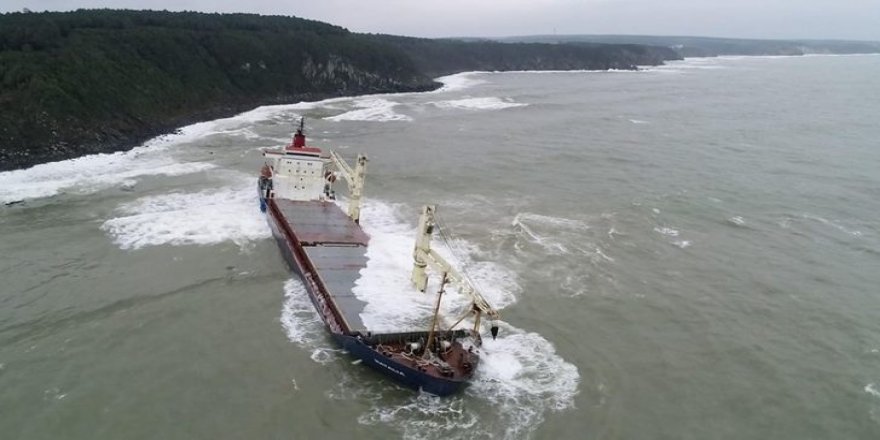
(716,37)
(713,37)
(845,20)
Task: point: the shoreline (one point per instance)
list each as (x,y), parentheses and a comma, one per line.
(220,112)
(12,162)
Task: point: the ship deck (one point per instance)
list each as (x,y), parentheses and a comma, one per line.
(337,249)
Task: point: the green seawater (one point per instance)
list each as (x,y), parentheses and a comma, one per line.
(686,252)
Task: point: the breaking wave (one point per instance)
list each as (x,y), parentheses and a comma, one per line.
(669,232)
(520,375)
(90,174)
(392,302)
(303,325)
(201,218)
(371,109)
(687,65)
(489,103)
(544,231)
(458,81)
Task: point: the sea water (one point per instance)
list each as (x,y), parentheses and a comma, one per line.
(688,251)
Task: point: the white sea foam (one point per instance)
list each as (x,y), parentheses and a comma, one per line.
(686,65)
(425,417)
(669,232)
(488,103)
(459,81)
(95,172)
(89,174)
(737,220)
(871,389)
(371,109)
(560,72)
(682,243)
(834,224)
(549,220)
(520,376)
(201,218)
(553,235)
(92,173)
(392,303)
(638,121)
(298,316)
(303,325)
(520,373)
(523,366)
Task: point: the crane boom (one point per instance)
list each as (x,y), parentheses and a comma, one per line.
(355,180)
(424,256)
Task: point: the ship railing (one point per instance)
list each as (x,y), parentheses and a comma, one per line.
(403,337)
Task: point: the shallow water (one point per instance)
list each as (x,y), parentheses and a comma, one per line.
(689,251)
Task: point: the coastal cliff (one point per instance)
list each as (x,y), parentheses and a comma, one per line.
(446,56)
(98,81)
(89,81)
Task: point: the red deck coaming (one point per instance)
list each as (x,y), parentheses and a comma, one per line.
(328,309)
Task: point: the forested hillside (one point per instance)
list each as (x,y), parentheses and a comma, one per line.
(73,83)
(89,81)
(442,57)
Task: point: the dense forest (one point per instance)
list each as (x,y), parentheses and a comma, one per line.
(74,83)
(91,81)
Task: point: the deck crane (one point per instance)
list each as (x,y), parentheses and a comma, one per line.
(355,180)
(424,256)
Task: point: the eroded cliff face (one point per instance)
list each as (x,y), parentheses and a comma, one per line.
(85,82)
(340,74)
(98,84)
(443,57)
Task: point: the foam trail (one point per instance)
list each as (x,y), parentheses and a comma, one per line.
(371,109)
(669,232)
(90,174)
(834,224)
(686,65)
(303,325)
(489,103)
(458,81)
(544,230)
(93,173)
(392,303)
(202,218)
(520,373)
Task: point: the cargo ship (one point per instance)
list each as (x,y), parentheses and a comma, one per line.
(326,247)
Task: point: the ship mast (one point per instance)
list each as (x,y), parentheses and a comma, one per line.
(355,180)
(424,256)
(436,316)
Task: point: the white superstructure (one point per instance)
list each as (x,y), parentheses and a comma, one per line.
(302,173)
(299,175)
